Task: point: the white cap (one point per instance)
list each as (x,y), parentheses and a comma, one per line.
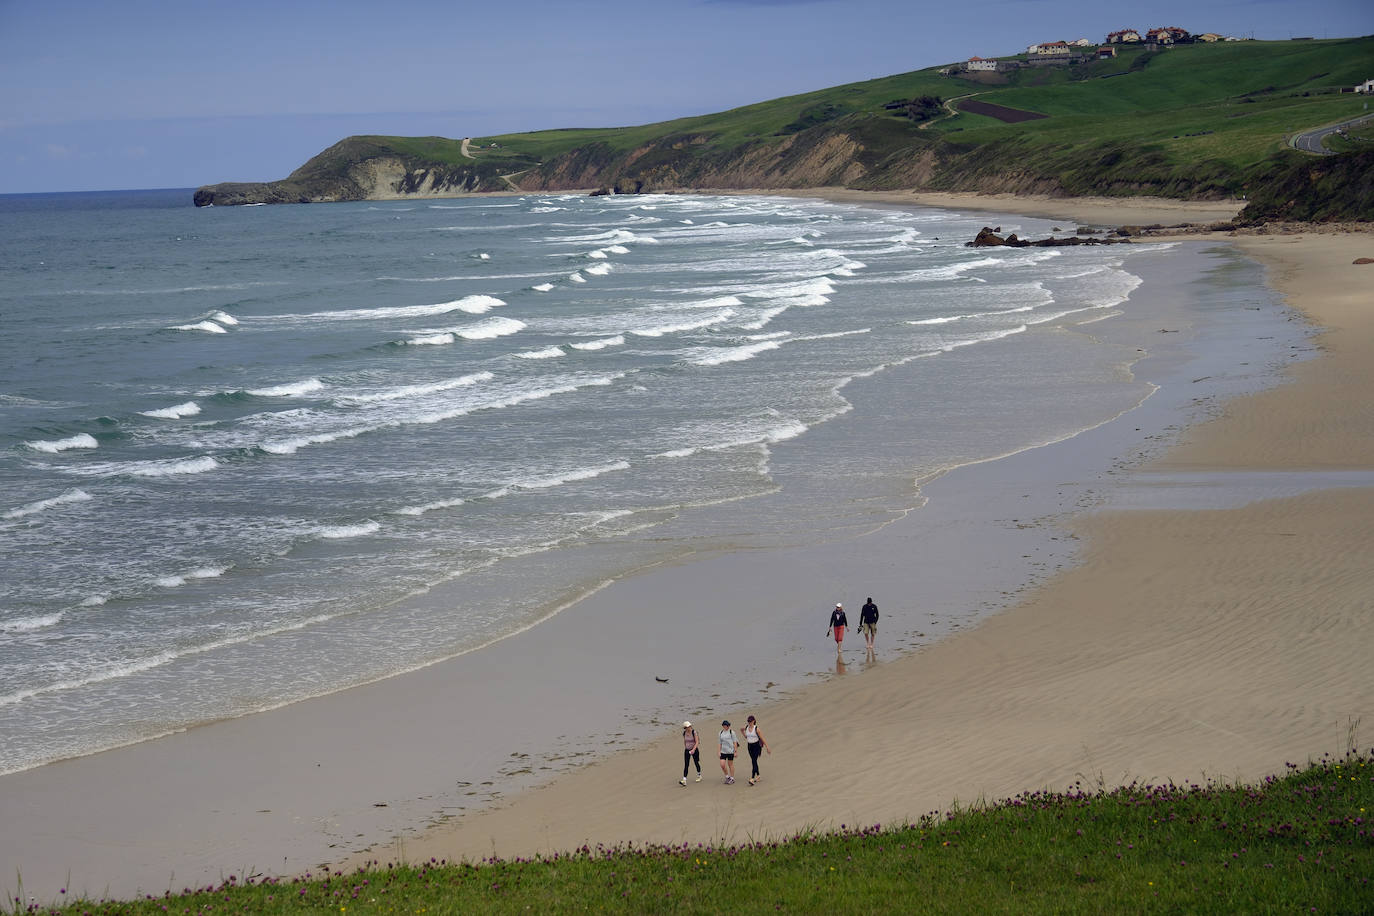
(686,724)
(838,605)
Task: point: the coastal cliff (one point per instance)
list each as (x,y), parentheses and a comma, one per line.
(368,168)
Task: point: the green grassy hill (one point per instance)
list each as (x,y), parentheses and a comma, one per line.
(1193,121)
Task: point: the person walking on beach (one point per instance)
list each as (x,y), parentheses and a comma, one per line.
(691,751)
(868,623)
(753,740)
(837,624)
(728,741)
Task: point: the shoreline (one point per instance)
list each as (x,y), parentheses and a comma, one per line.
(1142,661)
(272,793)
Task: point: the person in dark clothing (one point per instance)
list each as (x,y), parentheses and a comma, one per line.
(868,622)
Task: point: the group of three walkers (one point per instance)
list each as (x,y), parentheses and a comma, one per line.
(753,741)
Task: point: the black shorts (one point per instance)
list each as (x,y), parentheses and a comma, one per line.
(727,756)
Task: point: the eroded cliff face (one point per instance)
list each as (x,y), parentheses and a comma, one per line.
(367,168)
(391,179)
(867,154)
(676,163)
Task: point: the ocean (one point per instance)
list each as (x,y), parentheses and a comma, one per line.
(254,455)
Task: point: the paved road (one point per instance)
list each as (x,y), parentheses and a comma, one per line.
(1310,141)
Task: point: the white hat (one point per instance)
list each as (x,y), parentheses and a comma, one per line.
(686,724)
(838,605)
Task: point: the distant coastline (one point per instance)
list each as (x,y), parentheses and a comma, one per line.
(1112,127)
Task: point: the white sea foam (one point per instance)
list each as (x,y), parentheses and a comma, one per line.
(442,338)
(945,272)
(599,270)
(548,481)
(209,327)
(475,304)
(294,444)
(601,344)
(42,505)
(93,601)
(492,327)
(788,430)
(717,302)
(431,507)
(176,412)
(414,391)
(512,400)
(716,356)
(577,277)
(618,249)
(764,316)
(340,532)
(53,446)
(205,572)
(792,290)
(545,353)
(598,254)
(837,334)
(29,624)
(678,327)
(288,390)
(542,287)
(170,468)
(984,338)
(223,318)
(482,330)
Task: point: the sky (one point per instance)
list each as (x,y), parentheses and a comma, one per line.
(122,94)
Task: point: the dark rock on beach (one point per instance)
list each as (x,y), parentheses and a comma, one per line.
(988,237)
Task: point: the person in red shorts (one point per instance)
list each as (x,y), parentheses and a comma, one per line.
(837,624)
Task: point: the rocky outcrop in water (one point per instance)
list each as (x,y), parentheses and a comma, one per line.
(988,238)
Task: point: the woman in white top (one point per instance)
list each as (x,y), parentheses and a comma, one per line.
(753,739)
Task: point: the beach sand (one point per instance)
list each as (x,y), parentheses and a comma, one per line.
(1185,643)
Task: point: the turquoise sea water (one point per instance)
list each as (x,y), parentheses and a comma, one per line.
(257,454)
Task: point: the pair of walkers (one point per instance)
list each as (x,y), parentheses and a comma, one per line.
(868,624)
(729,741)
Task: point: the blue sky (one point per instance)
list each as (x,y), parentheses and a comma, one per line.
(155,93)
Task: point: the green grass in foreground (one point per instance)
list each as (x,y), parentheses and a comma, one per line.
(1300,842)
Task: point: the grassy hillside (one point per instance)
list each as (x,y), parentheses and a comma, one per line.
(1203,120)
(1194,121)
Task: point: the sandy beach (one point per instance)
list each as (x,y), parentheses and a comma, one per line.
(1211,618)
(1187,644)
